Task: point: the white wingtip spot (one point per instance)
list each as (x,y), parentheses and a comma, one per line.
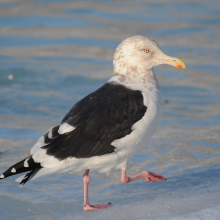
(2,176)
(65,128)
(26,162)
(50,133)
(13,170)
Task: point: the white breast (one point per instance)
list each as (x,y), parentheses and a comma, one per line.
(145,128)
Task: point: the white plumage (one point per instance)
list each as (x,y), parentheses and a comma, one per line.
(105,129)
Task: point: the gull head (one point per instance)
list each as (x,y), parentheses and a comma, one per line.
(140,54)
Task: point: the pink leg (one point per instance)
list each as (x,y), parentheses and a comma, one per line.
(86,205)
(145,175)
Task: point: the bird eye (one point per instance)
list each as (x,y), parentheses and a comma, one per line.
(146,50)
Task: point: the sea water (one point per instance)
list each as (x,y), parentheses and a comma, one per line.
(53,53)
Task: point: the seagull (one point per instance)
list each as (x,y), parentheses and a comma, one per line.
(102,131)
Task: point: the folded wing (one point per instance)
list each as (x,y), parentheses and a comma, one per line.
(92,125)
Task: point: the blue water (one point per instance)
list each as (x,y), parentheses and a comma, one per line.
(10,41)
(60,51)
(46,21)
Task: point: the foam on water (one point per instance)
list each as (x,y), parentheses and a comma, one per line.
(143,211)
(201,200)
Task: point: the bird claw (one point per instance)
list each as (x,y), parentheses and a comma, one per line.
(152,177)
(96,207)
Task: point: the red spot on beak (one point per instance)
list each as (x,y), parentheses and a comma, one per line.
(179,66)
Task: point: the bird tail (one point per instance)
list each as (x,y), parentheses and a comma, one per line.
(25,165)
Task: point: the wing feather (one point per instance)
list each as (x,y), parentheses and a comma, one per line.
(93,123)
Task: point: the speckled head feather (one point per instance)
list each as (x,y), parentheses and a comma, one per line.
(131,58)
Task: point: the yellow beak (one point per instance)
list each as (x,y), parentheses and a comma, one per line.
(173,61)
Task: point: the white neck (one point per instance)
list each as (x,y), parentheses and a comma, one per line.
(143,77)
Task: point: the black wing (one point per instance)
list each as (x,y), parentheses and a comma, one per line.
(100,118)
